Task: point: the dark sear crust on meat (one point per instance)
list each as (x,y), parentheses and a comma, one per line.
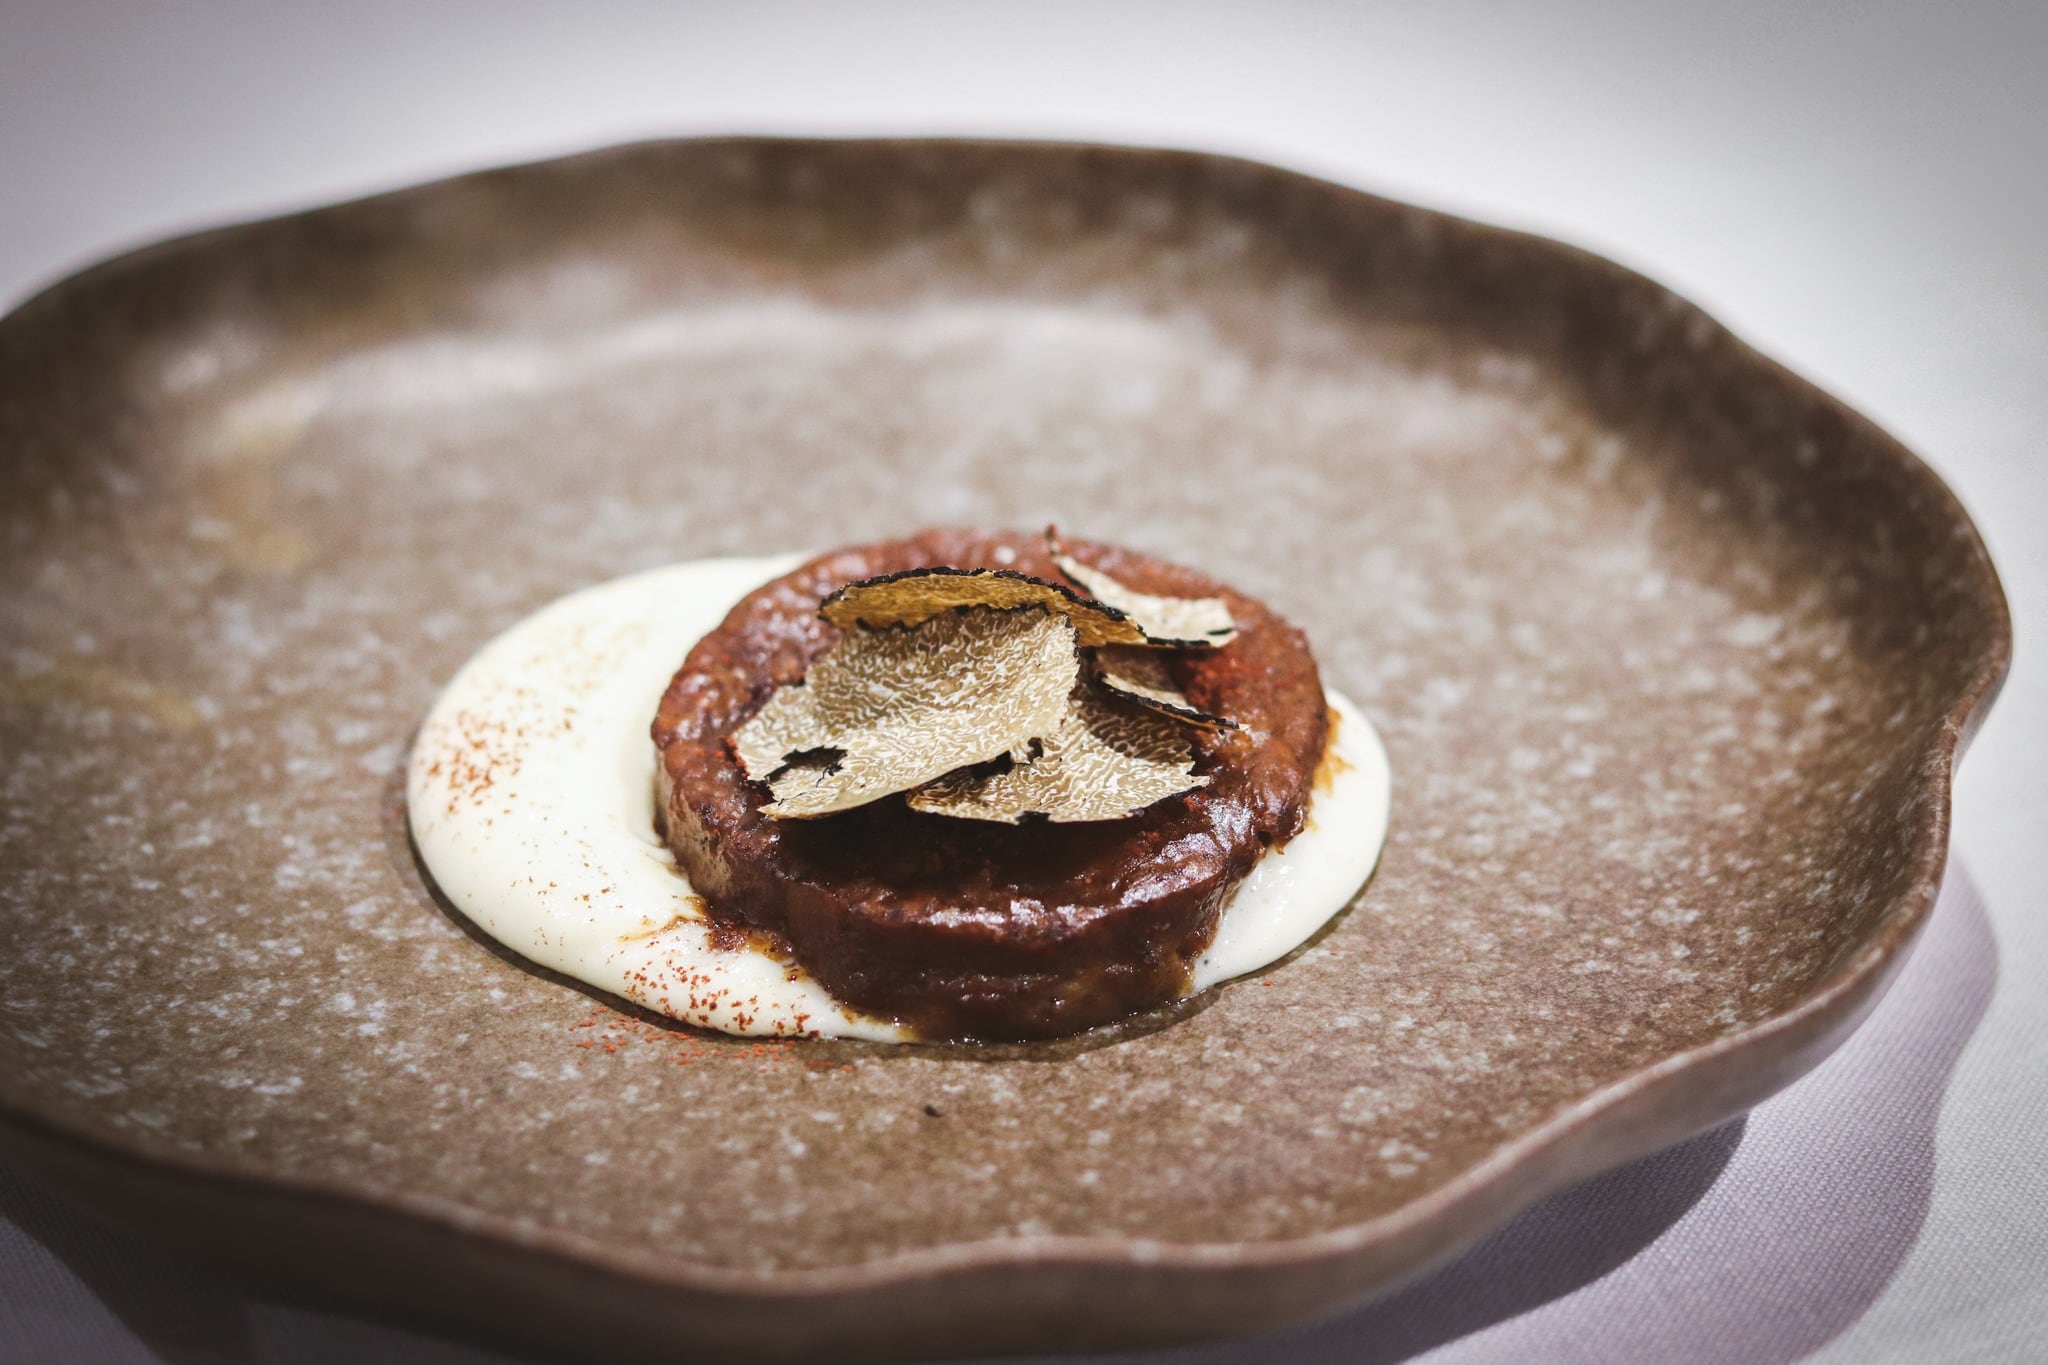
(964,928)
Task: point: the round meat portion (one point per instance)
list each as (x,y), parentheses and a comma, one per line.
(965,928)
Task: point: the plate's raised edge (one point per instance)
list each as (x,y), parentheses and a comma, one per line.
(1630,1115)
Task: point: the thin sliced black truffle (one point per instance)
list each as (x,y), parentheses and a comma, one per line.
(1166,622)
(1106,761)
(1142,676)
(888,710)
(917,595)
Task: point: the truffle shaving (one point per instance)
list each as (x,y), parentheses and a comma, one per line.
(1167,622)
(1105,761)
(1141,676)
(783,729)
(915,596)
(885,711)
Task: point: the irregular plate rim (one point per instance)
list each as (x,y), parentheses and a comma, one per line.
(1832,1009)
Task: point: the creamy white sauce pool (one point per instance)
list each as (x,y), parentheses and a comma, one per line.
(532,788)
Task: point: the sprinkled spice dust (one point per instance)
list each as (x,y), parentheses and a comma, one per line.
(616,1031)
(474,753)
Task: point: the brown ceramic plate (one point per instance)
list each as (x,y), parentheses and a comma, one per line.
(1673,655)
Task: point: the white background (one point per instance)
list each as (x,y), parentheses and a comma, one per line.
(1861,190)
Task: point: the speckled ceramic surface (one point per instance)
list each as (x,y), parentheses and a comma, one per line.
(1673,656)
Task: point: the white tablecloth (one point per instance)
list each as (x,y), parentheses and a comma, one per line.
(1858,188)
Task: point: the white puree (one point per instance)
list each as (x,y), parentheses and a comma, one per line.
(532,789)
